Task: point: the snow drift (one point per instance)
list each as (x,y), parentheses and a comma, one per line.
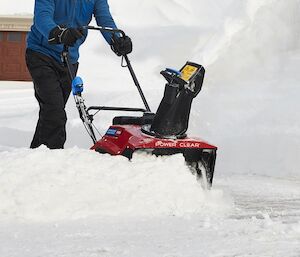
(44,185)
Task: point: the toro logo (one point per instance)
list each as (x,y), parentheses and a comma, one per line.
(165,144)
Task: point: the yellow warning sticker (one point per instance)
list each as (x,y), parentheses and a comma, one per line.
(188,71)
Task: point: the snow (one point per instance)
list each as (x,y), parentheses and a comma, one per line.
(111,187)
(75,202)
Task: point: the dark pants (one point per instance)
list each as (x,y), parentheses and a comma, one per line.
(52,86)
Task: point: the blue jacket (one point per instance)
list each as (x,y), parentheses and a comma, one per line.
(72,13)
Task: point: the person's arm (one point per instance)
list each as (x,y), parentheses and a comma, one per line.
(103,18)
(43,16)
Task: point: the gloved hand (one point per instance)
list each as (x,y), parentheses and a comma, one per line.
(63,35)
(121,45)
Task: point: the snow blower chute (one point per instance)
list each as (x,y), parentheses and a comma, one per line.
(163,133)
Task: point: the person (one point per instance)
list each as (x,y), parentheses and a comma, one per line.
(57,23)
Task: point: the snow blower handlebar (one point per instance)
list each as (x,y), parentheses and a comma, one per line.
(128,64)
(105,29)
(77,86)
(65,53)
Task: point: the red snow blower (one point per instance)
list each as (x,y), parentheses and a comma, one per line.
(163,133)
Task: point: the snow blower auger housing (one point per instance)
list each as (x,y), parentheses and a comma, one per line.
(163,133)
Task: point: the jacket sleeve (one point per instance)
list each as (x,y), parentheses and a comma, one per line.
(43,16)
(104,18)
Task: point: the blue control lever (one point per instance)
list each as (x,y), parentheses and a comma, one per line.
(173,71)
(77,86)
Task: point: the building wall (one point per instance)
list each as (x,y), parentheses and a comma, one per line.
(13,33)
(12,56)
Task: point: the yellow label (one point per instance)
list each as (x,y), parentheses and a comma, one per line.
(188,71)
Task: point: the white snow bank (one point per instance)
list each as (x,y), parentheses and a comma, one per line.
(45,185)
(260,45)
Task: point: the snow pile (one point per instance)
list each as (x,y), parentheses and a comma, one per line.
(261,44)
(45,185)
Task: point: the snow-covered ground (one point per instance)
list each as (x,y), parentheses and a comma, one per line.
(75,202)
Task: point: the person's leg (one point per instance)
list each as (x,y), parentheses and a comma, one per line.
(65,81)
(47,78)
(36,139)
